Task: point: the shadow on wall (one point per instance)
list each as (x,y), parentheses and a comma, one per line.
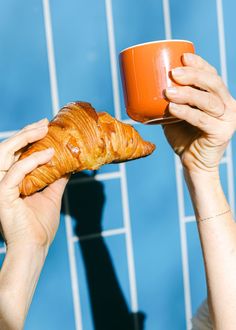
(108,305)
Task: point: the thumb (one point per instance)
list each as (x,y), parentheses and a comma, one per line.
(56,190)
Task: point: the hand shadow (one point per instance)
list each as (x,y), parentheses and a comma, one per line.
(108,305)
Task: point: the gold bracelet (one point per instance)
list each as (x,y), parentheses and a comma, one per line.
(215,216)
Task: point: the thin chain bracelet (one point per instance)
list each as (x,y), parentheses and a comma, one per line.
(215,216)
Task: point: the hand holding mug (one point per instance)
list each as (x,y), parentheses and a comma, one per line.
(209,113)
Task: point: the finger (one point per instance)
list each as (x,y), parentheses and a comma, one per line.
(21,168)
(197,62)
(55,190)
(193,116)
(201,79)
(42,122)
(25,136)
(8,148)
(208,102)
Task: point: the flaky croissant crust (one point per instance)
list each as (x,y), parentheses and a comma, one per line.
(83,139)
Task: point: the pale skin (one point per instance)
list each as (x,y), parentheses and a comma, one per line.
(209,114)
(27,224)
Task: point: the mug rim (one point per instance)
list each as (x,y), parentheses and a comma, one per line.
(156,42)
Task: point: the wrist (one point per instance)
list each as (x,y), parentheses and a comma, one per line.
(198,178)
(18,278)
(206,193)
(27,249)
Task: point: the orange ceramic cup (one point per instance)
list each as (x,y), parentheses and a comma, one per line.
(145,71)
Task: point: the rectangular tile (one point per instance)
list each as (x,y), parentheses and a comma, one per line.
(196,267)
(156,236)
(103,284)
(197,21)
(229,8)
(136,22)
(188,207)
(95,206)
(82,53)
(2,256)
(24,80)
(52,306)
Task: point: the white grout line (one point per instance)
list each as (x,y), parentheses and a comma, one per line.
(112,48)
(224,160)
(73,270)
(130,122)
(3,249)
(129,242)
(51,56)
(97,177)
(68,224)
(124,190)
(7,134)
(167,20)
(105,233)
(184,248)
(223,63)
(180,195)
(221,35)
(189,218)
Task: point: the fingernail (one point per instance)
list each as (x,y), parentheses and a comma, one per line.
(188,57)
(177,72)
(42,122)
(50,151)
(174,107)
(42,127)
(171,90)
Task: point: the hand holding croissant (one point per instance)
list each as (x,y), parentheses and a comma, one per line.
(83,139)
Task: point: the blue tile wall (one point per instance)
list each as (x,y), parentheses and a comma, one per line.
(52,306)
(196,268)
(103,264)
(24,82)
(82,52)
(103,281)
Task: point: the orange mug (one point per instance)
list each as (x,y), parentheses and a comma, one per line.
(145,72)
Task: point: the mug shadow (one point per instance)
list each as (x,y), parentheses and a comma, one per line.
(108,305)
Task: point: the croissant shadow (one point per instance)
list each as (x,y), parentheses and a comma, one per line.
(108,305)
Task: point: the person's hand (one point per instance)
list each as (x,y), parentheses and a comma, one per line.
(208,111)
(34,219)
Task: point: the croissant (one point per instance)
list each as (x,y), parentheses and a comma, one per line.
(82,139)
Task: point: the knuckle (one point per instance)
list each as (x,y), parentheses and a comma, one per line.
(17,166)
(213,70)
(203,120)
(217,82)
(212,103)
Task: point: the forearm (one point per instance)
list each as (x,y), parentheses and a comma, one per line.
(18,278)
(218,240)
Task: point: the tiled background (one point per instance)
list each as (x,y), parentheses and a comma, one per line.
(137,262)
